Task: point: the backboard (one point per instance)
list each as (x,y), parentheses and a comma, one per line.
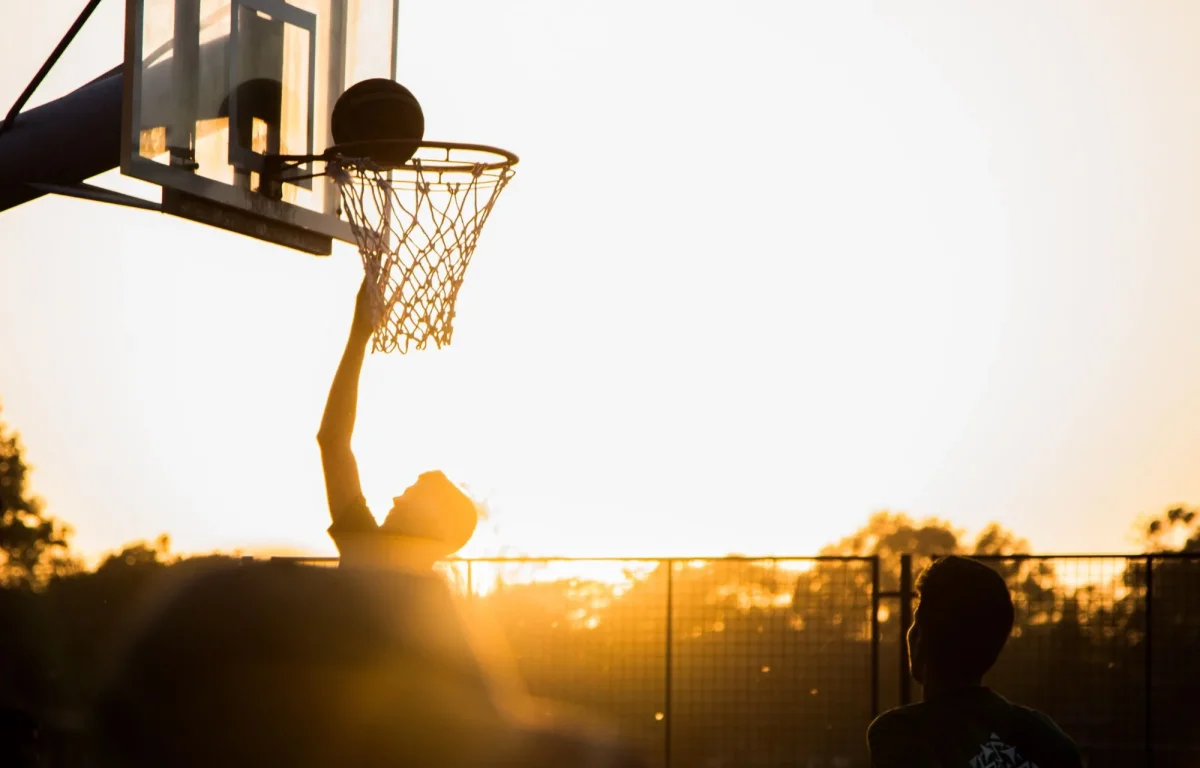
(213,86)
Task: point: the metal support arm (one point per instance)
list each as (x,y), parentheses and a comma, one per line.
(48,65)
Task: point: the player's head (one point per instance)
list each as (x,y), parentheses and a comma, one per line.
(434,510)
(962,621)
(270,664)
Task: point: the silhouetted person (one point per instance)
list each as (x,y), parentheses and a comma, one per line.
(431,520)
(961,624)
(285,665)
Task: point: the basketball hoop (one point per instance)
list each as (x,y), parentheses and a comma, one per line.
(416,226)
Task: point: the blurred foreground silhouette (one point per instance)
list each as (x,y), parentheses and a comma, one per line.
(275,664)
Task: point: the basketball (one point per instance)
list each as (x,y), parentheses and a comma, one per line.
(379,110)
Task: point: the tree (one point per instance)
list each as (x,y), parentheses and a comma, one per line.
(1161,616)
(892,534)
(142,553)
(34,545)
(1177,529)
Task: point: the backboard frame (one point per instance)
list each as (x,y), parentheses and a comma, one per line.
(295,17)
(235,207)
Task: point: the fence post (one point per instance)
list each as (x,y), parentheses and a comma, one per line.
(874,637)
(1148,673)
(906,595)
(670,643)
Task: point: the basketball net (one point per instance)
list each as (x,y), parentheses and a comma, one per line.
(416,229)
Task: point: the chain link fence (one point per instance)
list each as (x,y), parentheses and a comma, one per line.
(698,662)
(785,661)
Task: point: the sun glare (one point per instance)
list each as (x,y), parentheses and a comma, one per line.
(748,361)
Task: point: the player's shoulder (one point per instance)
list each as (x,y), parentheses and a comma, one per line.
(1028,716)
(1041,720)
(353,518)
(896,723)
(908,713)
(1041,729)
(897,737)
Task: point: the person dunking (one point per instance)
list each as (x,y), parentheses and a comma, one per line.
(431,520)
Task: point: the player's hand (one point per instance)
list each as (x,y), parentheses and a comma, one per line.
(364,310)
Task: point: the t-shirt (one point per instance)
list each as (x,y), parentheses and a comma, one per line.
(972,728)
(363,543)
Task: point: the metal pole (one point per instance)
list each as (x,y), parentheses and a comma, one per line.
(905,621)
(395,59)
(1149,682)
(670,643)
(874,637)
(27,94)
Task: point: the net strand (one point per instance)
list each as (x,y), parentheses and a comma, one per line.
(416,234)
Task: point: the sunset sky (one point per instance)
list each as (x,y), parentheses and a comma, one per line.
(766,267)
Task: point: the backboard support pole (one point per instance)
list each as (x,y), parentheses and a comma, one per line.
(96,194)
(55,55)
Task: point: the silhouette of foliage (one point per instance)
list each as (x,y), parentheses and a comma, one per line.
(34,545)
(1177,529)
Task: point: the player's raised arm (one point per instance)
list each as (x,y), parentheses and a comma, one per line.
(342,485)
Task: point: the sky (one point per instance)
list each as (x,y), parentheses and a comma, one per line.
(765,268)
